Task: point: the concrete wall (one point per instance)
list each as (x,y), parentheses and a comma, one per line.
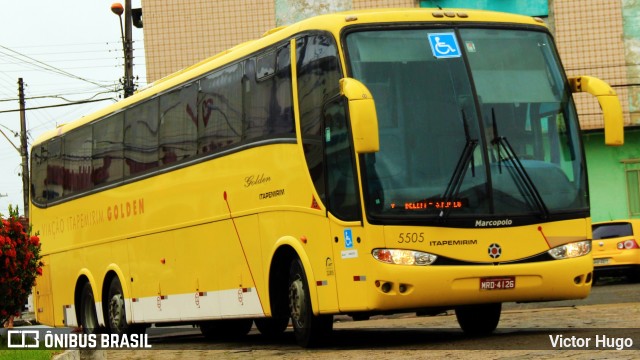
(178,34)
(631,20)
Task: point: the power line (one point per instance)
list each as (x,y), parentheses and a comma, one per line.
(58,105)
(116,43)
(48,67)
(61,97)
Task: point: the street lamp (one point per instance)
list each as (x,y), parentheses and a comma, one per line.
(125,32)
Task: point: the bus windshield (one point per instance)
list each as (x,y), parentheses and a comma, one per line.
(472,122)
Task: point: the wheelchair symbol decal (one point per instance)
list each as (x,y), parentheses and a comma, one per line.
(444,45)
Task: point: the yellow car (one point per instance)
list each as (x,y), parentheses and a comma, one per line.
(615,248)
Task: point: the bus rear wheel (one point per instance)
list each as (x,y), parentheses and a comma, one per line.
(479,320)
(309,330)
(116,312)
(88,316)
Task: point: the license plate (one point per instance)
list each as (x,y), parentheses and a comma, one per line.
(500,283)
(604,261)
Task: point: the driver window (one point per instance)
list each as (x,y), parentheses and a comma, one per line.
(341,180)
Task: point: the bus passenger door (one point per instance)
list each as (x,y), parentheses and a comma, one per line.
(348,262)
(344,206)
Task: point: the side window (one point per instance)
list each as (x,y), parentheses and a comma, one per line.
(108,154)
(256,95)
(268,95)
(141,138)
(318,81)
(178,125)
(54,180)
(266,65)
(220,109)
(341,179)
(77,161)
(281,105)
(39,174)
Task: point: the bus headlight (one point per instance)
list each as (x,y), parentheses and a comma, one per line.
(571,250)
(403,257)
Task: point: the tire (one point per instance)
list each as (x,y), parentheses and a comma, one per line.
(218,330)
(87,312)
(479,320)
(116,314)
(634,276)
(309,330)
(272,327)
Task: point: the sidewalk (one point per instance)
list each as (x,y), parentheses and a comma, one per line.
(600,317)
(25,319)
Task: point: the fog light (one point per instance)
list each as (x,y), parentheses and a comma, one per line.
(386,287)
(402,288)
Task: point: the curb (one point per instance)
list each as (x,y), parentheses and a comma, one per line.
(68,355)
(81,355)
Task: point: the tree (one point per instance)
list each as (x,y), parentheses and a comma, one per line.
(20,263)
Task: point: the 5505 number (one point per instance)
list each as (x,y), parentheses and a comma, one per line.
(410,237)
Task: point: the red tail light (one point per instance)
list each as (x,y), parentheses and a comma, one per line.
(628,244)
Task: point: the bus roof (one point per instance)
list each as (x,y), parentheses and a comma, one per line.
(333,23)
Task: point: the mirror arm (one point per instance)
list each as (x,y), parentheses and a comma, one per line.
(609,103)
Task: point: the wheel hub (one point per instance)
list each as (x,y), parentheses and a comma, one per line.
(116,307)
(296,301)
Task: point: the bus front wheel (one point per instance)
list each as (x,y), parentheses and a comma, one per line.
(479,320)
(272,327)
(88,316)
(309,329)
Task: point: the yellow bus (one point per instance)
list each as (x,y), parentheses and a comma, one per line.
(358,163)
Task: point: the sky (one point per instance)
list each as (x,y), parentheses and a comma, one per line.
(66,51)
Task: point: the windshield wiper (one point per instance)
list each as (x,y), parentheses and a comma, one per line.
(466,158)
(510,155)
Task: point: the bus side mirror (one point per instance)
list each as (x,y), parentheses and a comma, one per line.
(609,103)
(362,111)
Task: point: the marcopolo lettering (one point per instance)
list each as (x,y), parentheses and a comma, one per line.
(493,223)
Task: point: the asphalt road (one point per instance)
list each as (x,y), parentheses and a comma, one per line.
(608,290)
(528,330)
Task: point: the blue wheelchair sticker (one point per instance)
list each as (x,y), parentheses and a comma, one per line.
(444,45)
(348,239)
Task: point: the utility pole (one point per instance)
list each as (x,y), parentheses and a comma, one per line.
(128,50)
(127,44)
(24,153)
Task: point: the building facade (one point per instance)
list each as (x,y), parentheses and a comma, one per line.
(596,37)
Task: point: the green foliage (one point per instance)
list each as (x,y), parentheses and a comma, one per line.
(19,354)
(26,354)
